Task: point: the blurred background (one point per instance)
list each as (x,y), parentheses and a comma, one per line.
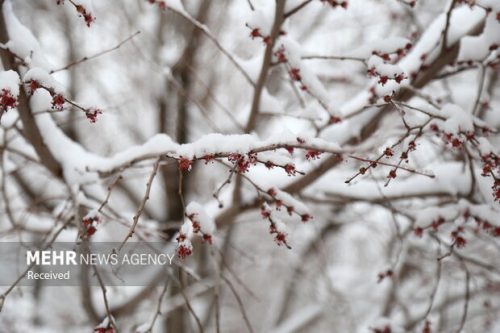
(370,260)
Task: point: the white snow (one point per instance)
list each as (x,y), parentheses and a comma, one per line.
(215,143)
(207,225)
(457,119)
(22,42)
(44,78)
(9,80)
(478,47)
(290,201)
(384,68)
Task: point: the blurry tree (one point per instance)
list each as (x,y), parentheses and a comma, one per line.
(316,165)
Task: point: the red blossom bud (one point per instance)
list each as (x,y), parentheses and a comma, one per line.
(184,164)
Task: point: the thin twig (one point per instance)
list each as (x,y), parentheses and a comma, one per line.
(142,204)
(214,39)
(189,306)
(105,298)
(434,291)
(240,303)
(467,298)
(482,77)
(266,64)
(226,182)
(330,57)
(297,8)
(5,194)
(391,165)
(158,308)
(108,195)
(86,58)
(181,195)
(251,5)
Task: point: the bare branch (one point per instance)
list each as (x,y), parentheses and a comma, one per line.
(143,203)
(97,55)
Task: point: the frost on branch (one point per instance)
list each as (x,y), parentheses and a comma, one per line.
(461,224)
(243,151)
(37,78)
(459,130)
(276,226)
(202,224)
(184,245)
(280,203)
(197,223)
(291,204)
(457,120)
(384,71)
